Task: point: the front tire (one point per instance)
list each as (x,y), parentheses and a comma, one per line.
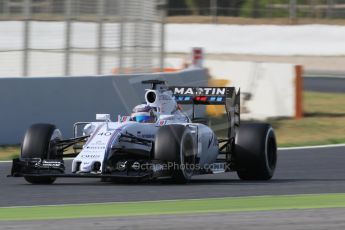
(255,151)
(39,144)
(40,180)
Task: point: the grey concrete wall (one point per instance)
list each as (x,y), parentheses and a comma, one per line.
(65,100)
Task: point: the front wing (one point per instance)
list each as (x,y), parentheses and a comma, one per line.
(56,168)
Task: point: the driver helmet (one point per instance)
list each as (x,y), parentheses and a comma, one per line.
(144,114)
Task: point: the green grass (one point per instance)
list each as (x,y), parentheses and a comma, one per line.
(9,152)
(323,122)
(147,208)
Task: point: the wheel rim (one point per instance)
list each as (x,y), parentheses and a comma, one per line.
(187,155)
(271,150)
(52,148)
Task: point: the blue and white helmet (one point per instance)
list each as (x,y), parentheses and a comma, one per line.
(143,113)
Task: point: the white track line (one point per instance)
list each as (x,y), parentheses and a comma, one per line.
(5,161)
(312,147)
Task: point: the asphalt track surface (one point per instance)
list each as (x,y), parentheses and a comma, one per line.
(324,84)
(299,171)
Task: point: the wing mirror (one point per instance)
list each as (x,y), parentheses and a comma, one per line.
(103,117)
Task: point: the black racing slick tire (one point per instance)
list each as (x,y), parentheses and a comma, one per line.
(40,180)
(176,145)
(255,151)
(39,144)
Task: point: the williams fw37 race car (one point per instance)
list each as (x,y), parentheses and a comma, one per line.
(158,140)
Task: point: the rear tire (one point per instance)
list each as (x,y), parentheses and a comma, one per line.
(255,152)
(39,144)
(176,145)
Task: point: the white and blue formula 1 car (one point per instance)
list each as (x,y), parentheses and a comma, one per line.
(156,141)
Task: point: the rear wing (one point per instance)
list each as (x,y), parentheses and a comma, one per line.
(202,95)
(226,96)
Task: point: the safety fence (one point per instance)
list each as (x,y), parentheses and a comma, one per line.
(57,37)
